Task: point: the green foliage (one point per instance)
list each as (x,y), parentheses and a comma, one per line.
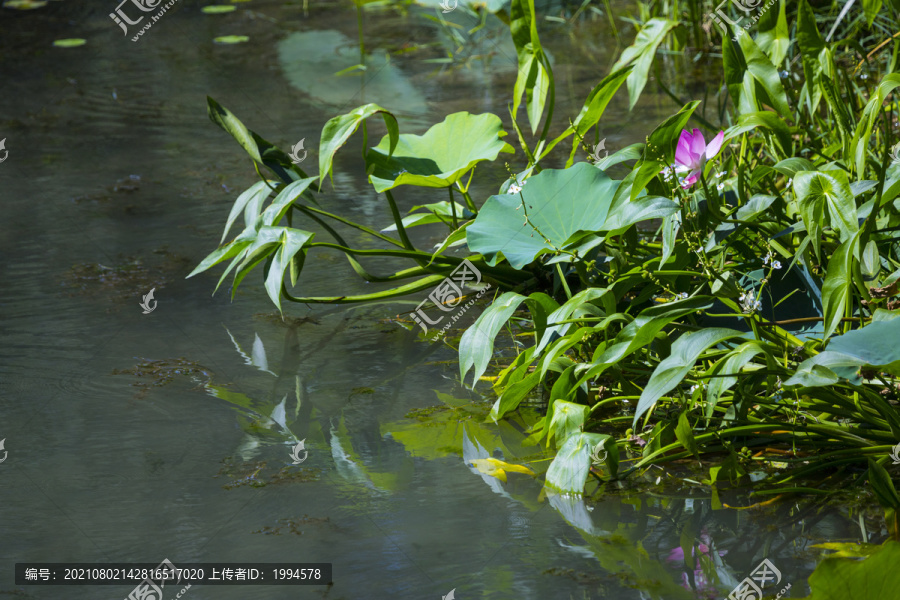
(754,309)
(839,578)
(431,160)
(641,53)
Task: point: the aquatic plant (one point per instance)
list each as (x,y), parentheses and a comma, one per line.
(743,324)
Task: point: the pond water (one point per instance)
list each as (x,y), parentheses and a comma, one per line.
(135,437)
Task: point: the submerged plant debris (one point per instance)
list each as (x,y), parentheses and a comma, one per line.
(292,525)
(256,475)
(127,280)
(157,373)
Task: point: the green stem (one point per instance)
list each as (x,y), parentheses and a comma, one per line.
(453,208)
(348,222)
(409,288)
(563,281)
(401,230)
(359,27)
(712,203)
(469,202)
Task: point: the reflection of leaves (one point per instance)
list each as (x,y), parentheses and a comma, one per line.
(437,431)
(498,468)
(622,554)
(351,466)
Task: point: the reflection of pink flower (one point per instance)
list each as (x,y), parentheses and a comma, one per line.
(692,152)
(704,586)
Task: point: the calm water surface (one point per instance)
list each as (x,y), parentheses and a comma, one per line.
(134,437)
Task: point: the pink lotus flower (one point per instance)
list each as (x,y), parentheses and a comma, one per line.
(692,153)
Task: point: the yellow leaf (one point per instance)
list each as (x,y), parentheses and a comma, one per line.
(498,468)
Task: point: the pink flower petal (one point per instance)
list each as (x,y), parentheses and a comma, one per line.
(698,145)
(689,180)
(676,555)
(683,151)
(715,145)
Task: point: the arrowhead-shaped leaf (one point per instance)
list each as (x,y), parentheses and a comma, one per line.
(339,129)
(685,352)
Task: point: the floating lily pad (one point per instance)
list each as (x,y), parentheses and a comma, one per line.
(216,9)
(231,39)
(70,43)
(24,4)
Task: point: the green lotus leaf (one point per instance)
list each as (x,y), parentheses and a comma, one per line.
(441,156)
(560,203)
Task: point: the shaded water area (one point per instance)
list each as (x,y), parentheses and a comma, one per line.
(135,437)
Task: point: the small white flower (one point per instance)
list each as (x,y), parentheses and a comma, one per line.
(400,172)
(667,172)
(514,189)
(719,174)
(767,258)
(681,296)
(788,184)
(694,388)
(757,305)
(720,187)
(776,264)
